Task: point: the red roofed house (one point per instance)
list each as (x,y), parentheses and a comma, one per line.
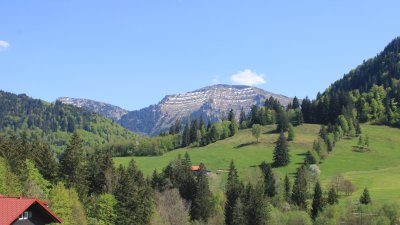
(198,169)
(25,211)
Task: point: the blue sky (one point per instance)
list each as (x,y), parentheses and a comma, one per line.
(133,53)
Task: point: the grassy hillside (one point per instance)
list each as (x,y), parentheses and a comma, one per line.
(376,169)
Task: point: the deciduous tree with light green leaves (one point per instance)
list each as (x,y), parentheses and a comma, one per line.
(256,131)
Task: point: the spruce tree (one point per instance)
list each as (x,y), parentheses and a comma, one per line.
(233,126)
(299,191)
(233,190)
(73,165)
(193,132)
(287,188)
(202,204)
(269,179)
(186,135)
(44,159)
(255,205)
(295,103)
(365,198)
(281,152)
(317,203)
(237,214)
(332,196)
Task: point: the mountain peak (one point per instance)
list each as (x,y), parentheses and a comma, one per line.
(212,102)
(104,109)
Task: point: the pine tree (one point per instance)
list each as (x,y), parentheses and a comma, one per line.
(202,205)
(44,159)
(73,165)
(242,119)
(233,126)
(213,135)
(332,196)
(358,128)
(317,203)
(237,214)
(365,198)
(255,205)
(287,187)
(281,152)
(299,191)
(291,133)
(193,132)
(177,126)
(233,191)
(186,135)
(269,179)
(296,103)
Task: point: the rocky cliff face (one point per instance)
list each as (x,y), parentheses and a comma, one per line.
(213,102)
(107,110)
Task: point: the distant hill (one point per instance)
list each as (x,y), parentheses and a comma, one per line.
(213,102)
(56,121)
(107,110)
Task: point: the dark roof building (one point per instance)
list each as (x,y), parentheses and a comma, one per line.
(25,211)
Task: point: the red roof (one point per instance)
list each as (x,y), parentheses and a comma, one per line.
(195,168)
(12,207)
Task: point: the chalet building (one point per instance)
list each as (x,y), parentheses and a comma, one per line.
(197,170)
(25,211)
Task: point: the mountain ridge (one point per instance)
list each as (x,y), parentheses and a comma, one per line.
(212,102)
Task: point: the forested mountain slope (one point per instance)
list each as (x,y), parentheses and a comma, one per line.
(56,121)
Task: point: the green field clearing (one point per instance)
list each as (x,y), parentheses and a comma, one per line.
(377,169)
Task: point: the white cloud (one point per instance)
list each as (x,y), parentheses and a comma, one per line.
(248,77)
(4,45)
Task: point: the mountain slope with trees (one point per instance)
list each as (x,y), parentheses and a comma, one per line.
(370,92)
(56,121)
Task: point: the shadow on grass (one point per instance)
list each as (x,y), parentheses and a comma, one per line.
(301,154)
(271,132)
(246,144)
(360,149)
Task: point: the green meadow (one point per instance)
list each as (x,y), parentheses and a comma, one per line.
(377,169)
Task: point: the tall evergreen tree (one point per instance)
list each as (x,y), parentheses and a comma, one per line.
(255,205)
(299,191)
(233,190)
(332,196)
(73,165)
(295,103)
(269,179)
(242,119)
(177,126)
(281,152)
(194,129)
(186,134)
(134,197)
(233,126)
(44,159)
(317,203)
(287,187)
(202,205)
(365,198)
